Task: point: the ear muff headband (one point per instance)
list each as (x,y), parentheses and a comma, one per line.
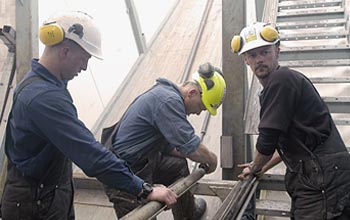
(269,33)
(51,34)
(236,43)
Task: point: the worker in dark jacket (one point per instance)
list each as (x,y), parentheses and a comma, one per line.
(44,133)
(155,137)
(295,121)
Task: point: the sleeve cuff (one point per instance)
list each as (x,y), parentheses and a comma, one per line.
(191,146)
(135,186)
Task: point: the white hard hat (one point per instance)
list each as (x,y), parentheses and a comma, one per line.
(74,25)
(256,35)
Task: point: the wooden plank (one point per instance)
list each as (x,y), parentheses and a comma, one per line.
(273,182)
(93,205)
(92,197)
(82,181)
(209,187)
(273,208)
(87,212)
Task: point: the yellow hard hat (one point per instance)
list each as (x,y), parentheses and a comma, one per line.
(256,35)
(213,86)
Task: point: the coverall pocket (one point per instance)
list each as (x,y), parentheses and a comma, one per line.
(16,211)
(336,182)
(341,182)
(307,198)
(15,204)
(55,203)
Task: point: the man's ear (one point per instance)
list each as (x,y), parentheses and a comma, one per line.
(278,52)
(63,52)
(192,92)
(245,59)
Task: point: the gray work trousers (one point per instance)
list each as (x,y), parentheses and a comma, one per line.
(159,169)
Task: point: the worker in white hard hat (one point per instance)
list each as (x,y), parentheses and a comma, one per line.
(44,135)
(295,127)
(156,138)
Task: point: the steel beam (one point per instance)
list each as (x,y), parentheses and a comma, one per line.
(136,27)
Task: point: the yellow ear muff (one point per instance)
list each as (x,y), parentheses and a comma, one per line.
(51,34)
(269,34)
(236,43)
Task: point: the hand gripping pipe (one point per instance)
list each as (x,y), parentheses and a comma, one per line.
(153,208)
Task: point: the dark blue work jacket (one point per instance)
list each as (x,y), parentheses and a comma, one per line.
(45,125)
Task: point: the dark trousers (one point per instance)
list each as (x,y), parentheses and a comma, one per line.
(330,174)
(27,199)
(159,169)
(345,214)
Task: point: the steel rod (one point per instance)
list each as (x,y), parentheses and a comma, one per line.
(153,208)
(236,200)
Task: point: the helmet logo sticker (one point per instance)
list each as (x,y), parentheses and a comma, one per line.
(251,35)
(77,29)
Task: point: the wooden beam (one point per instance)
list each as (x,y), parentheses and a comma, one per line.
(233,20)
(27,35)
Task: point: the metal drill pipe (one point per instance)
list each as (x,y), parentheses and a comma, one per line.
(203,132)
(153,208)
(235,200)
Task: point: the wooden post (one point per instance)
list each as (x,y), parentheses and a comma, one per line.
(27,35)
(233,139)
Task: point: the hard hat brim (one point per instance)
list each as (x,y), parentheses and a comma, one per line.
(256,44)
